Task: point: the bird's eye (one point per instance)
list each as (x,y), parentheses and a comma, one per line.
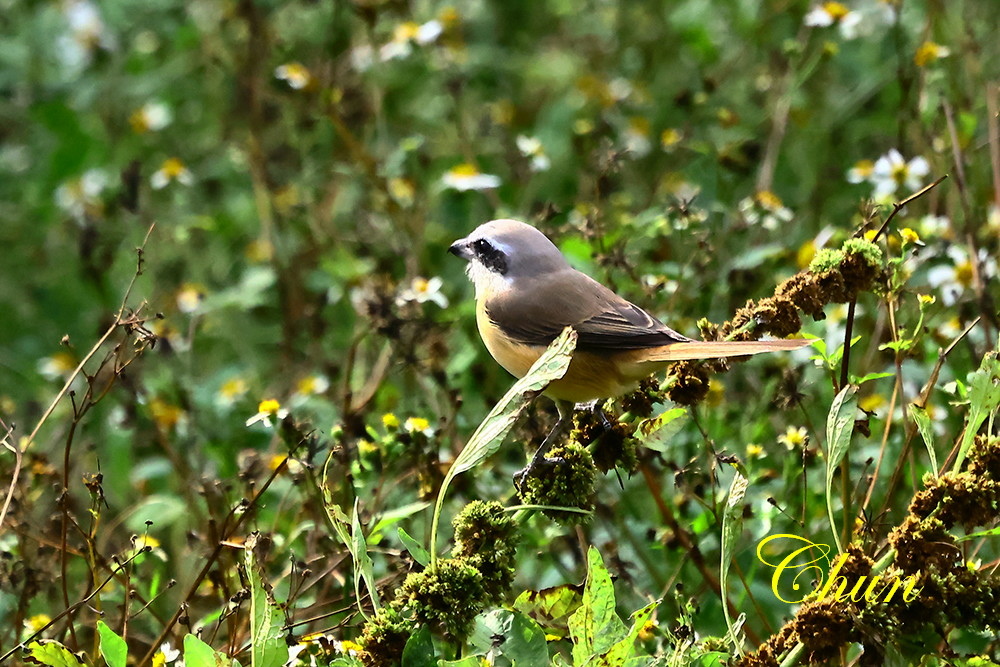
(491,256)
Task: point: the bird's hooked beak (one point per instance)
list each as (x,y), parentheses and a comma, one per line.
(461,248)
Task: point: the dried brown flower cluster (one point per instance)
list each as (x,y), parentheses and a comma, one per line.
(950,592)
(834,276)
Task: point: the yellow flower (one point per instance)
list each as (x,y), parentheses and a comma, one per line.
(422,290)
(716,390)
(929,52)
(669,138)
(143,541)
(313,384)
(231,390)
(417,425)
(35,623)
(390,421)
(467,176)
(189,297)
(926,299)
(871,402)
(755,451)
(909,236)
(58,366)
(294,74)
(805,254)
(150,117)
(861,171)
(347,646)
(172,169)
(794,438)
(266,410)
(836,10)
(768,200)
(165,415)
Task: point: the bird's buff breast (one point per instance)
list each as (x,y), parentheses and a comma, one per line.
(590,376)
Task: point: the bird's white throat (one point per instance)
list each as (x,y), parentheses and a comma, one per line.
(488,283)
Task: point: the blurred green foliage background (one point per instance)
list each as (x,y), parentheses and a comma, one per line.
(306,165)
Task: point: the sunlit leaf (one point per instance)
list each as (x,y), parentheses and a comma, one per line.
(114,650)
(52,653)
(839,429)
(267,620)
(984,398)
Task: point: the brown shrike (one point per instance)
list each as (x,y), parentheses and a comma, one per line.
(526,294)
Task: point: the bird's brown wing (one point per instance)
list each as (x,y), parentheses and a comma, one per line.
(539,309)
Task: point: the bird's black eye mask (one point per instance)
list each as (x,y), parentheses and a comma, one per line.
(490,256)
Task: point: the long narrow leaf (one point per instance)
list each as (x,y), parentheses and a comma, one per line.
(487,439)
(267,642)
(552,365)
(732,526)
(839,428)
(363,566)
(923,422)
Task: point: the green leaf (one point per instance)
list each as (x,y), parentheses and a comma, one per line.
(364,568)
(393,516)
(923,422)
(267,641)
(984,398)
(732,527)
(526,646)
(871,376)
(983,533)
(511,634)
(469,661)
(623,649)
(419,649)
(839,429)
(552,607)
(114,650)
(552,365)
(343,661)
(416,550)
(199,654)
(595,626)
(656,432)
(52,653)
(350,534)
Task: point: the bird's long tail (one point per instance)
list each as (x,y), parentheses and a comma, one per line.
(718,349)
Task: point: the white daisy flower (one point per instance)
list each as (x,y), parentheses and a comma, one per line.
(531,147)
(891,171)
(468,177)
(422,290)
(172,170)
(81,196)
